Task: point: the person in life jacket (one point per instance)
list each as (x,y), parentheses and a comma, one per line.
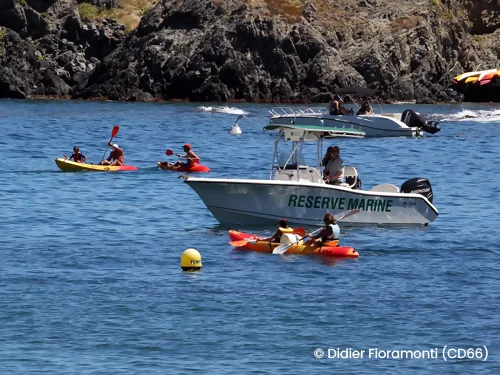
(283,228)
(330,232)
(77,156)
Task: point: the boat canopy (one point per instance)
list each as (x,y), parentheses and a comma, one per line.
(314,133)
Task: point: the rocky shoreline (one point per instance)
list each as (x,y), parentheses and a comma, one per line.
(245,51)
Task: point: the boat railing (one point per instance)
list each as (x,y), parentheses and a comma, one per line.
(280,111)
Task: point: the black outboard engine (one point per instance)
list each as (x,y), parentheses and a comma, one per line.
(418,185)
(413,120)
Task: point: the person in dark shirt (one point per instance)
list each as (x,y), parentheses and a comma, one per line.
(116,156)
(77,156)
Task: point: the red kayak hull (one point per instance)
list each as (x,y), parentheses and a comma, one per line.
(196,168)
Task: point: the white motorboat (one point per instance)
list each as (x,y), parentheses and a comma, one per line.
(406,124)
(298,192)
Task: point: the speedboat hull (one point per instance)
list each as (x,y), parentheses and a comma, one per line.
(371,125)
(262,202)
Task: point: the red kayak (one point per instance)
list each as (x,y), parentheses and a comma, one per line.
(195,168)
(252,242)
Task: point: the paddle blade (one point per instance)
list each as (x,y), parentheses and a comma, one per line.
(281,249)
(169,152)
(115,131)
(238,243)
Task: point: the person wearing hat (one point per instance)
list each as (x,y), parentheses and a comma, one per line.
(336,108)
(282,229)
(191,157)
(116,156)
(330,232)
(334,170)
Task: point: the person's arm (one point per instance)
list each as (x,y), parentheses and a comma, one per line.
(182,156)
(273,237)
(84,159)
(66,158)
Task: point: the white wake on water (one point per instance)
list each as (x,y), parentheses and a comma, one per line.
(222,109)
(469,115)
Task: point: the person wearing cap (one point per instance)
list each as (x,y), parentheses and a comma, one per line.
(334,170)
(116,156)
(77,156)
(191,157)
(330,232)
(282,229)
(336,107)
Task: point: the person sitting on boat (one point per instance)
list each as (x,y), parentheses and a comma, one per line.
(336,108)
(283,228)
(191,157)
(365,109)
(116,156)
(330,232)
(334,171)
(327,157)
(77,156)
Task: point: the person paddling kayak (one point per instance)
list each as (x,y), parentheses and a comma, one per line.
(116,156)
(191,157)
(330,232)
(283,228)
(77,156)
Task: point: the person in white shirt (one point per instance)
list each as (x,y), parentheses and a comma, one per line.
(335,168)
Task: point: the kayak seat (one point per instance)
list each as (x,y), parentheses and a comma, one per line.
(351,176)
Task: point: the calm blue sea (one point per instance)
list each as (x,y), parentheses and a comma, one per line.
(90,279)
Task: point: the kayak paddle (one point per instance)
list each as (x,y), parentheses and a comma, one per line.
(241,243)
(169,152)
(114,132)
(283,248)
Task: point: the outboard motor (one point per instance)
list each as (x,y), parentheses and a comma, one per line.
(418,185)
(413,120)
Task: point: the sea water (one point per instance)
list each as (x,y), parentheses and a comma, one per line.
(90,278)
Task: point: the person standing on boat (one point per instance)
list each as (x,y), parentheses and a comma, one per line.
(116,156)
(336,108)
(330,232)
(283,228)
(191,157)
(77,156)
(334,174)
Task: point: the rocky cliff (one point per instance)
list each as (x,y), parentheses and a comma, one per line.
(252,50)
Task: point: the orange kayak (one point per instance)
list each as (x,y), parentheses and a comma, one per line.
(252,242)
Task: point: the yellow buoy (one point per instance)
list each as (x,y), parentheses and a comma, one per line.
(191,260)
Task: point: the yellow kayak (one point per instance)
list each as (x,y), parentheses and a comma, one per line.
(71,166)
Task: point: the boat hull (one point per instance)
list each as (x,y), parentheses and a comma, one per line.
(71,166)
(371,125)
(330,249)
(262,202)
(197,168)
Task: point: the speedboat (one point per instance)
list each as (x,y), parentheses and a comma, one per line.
(406,124)
(298,192)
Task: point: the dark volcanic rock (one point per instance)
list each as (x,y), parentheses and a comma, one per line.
(281,51)
(19,74)
(220,51)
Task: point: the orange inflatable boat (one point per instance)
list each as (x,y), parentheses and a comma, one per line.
(252,242)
